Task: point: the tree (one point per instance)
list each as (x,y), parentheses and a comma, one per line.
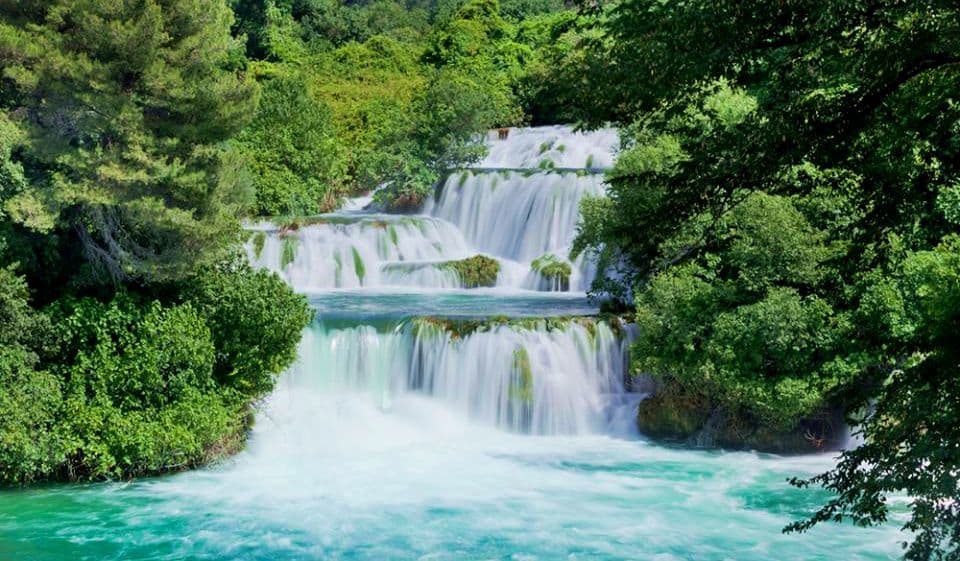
(848,110)
(125,107)
(912,438)
(294,155)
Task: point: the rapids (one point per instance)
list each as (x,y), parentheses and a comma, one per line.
(423,421)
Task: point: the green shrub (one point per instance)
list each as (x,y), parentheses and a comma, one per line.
(552,268)
(255,320)
(476,271)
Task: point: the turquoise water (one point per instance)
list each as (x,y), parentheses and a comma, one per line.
(392,442)
(411,493)
(362,306)
(331,473)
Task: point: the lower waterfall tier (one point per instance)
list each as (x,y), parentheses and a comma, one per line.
(559,376)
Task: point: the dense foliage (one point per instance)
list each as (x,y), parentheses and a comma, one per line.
(783,215)
(370,94)
(132,342)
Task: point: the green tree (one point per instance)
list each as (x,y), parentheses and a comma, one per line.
(846,109)
(294,155)
(124,108)
(255,321)
(911,438)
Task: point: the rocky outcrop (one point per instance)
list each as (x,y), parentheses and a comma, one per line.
(674,414)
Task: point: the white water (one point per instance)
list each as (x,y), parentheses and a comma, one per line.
(358,251)
(575,383)
(513,216)
(530,148)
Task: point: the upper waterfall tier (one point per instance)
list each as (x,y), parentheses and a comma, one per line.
(555,146)
(515,215)
(519,206)
(343,251)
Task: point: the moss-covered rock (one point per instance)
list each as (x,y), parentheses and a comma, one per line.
(676,414)
(475,271)
(555,270)
(673,415)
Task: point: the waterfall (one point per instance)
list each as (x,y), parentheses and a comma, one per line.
(341,251)
(513,215)
(519,205)
(520,217)
(538,376)
(550,147)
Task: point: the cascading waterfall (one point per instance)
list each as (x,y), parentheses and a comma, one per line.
(536,377)
(342,251)
(520,217)
(496,211)
(519,204)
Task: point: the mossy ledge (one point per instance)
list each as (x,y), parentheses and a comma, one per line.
(555,270)
(476,271)
(461,327)
(692,419)
(290,224)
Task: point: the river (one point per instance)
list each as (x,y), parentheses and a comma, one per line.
(396,437)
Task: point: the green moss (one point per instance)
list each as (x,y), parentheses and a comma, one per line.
(358,265)
(460,327)
(554,269)
(521,388)
(463,179)
(288,252)
(547,145)
(475,271)
(258,239)
(589,164)
(546,163)
(338,271)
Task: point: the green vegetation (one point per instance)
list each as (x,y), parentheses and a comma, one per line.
(358,265)
(131,385)
(258,239)
(475,271)
(783,217)
(361,95)
(134,339)
(552,268)
(522,387)
(288,249)
(458,328)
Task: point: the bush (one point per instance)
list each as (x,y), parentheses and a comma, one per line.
(30,404)
(255,320)
(476,271)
